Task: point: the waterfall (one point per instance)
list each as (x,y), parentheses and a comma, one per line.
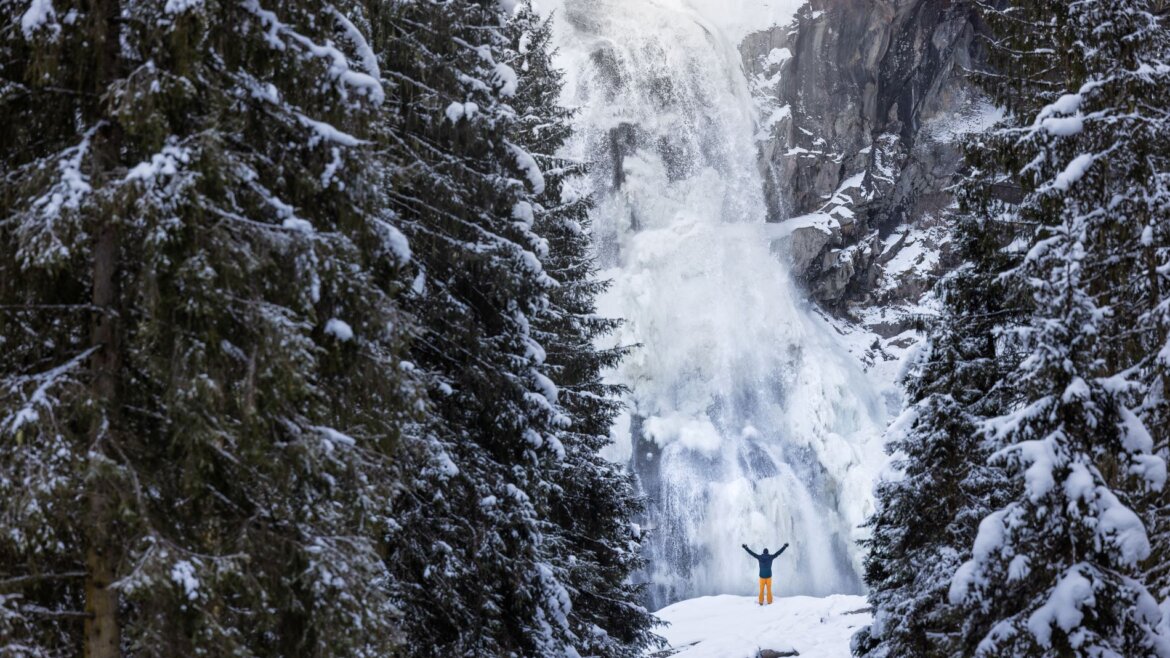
(748,422)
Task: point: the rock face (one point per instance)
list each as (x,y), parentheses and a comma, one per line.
(865,105)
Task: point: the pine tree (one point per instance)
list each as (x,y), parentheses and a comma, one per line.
(595,548)
(1026,74)
(927,516)
(471,557)
(1056,571)
(200,373)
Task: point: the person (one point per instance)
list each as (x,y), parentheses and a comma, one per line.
(765,560)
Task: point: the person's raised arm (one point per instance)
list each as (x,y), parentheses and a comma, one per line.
(782,549)
(749,551)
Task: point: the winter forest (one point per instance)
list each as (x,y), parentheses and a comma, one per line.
(431,328)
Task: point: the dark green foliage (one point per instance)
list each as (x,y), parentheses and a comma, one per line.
(927,519)
(234,474)
(514,535)
(595,548)
(1070,200)
(296,339)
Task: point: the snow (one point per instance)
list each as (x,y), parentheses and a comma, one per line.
(988,541)
(365,54)
(456,111)
(505,79)
(40,396)
(1072,593)
(1122,527)
(327,132)
(73,186)
(180,6)
(393,241)
(823,222)
(729,626)
(1135,437)
(365,84)
(297,224)
(1064,126)
(778,56)
(331,437)
(1073,172)
(528,165)
(164,163)
(39,14)
(914,258)
(339,329)
(1041,460)
(183,574)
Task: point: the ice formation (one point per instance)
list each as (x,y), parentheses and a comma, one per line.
(748,421)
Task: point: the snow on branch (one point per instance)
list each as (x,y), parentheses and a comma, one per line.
(40,15)
(280,36)
(44,381)
(41,241)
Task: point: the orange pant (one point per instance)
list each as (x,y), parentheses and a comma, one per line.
(765,583)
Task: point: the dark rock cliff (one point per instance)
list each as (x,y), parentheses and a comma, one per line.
(865,105)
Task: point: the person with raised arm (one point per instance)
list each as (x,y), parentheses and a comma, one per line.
(765,560)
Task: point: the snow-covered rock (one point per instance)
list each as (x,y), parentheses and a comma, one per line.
(865,106)
(737,627)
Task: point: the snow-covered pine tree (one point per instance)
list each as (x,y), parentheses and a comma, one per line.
(591,541)
(1027,52)
(471,561)
(1056,571)
(1131,100)
(200,381)
(927,515)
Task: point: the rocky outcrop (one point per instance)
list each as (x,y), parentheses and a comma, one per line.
(865,104)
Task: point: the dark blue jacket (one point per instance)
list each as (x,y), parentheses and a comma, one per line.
(766,560)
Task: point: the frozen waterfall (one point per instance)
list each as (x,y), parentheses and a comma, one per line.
(748,421)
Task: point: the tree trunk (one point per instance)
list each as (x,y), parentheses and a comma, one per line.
(102,634)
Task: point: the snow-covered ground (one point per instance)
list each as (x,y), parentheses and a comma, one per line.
(736,627)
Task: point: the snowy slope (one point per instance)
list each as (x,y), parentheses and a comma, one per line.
(736,627)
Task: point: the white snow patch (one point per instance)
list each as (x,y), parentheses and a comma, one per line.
(339,329)
(456,111)
(327,132)
(180,6)
(163,163)
(1072,593)
(331,437)
(528,165)
(1073,172)
(365,54)
(730,626)
(40,14)
(505,78)
(183,575)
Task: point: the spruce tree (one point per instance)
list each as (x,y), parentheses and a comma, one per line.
(595,548)
(200,374)
(1056,571)
(927,515)
(1034,51)
(471,557)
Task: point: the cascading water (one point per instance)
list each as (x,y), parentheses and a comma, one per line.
(748,421)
